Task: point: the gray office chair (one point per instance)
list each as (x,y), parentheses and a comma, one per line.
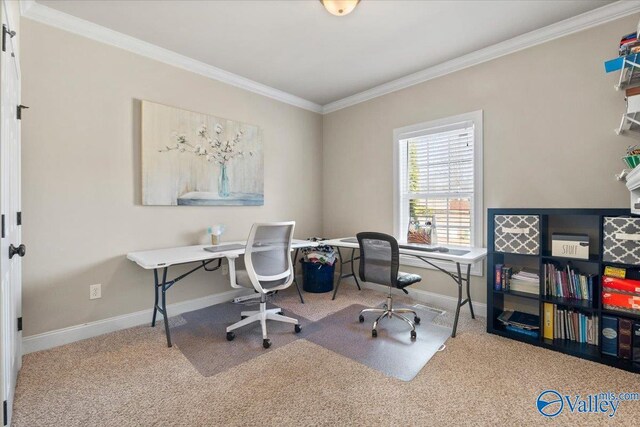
(379,263)
(269,268)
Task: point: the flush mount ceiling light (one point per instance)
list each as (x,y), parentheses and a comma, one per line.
(340,7)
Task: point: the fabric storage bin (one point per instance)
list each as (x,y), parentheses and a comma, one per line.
(621,240)
(517,234)
(317,278)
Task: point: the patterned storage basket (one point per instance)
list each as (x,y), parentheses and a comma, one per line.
(621,240)
(517,234)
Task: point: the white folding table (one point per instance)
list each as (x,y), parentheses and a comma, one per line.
(162,259)
(431,255)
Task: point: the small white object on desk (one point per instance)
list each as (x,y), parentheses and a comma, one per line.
(215,232)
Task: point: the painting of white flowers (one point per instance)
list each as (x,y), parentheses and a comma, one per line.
(196,159)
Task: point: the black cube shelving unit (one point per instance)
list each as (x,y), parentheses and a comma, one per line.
(584,221)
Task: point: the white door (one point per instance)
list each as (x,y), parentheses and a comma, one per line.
(11,251)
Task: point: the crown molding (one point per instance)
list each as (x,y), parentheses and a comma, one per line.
(571,25)
(37,12)
(32,10)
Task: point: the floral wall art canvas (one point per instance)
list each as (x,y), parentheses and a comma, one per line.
(196,159)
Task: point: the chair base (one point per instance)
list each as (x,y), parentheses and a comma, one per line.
(262,316)
(389,312)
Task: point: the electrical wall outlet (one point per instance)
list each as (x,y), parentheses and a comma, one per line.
(95,291)
(225,269)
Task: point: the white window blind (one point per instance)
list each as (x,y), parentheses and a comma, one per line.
(437,181)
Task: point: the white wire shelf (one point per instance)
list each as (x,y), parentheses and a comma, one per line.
(630,123)
(629,74)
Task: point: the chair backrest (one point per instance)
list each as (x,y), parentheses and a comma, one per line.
(267,256)
(379,258)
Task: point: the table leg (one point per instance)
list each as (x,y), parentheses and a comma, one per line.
(473,316)
(355,276)
(458,280)
(155,292)
(295,280)
(164,307)
(335,291)
(161,306)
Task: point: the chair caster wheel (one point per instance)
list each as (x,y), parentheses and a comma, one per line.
(416,320)
(374,333)
(413,335)
(297,328)
(243,317)
(230,336)
(361,319)
(266,343)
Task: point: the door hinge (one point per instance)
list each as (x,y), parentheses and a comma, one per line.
(3,226)
(19,324)
(19,111)
(6,32)
(4,413)
(19,218)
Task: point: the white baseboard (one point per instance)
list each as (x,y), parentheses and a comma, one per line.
(68,335)
(71,334)
(430,298)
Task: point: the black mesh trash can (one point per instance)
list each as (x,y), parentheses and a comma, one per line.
(317,278)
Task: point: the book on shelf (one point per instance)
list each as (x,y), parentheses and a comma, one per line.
(622,273)
(621,294)
(610,335)
(621,338)
(567,282)
(520,319)
(522,331)
(524,286)
(624,338)
(631,91)
(624,302)
(548,320)
(618,272)
(635,352)
(498,277)
(618,284)
(523,280)
(527,275)
(506,278)
(569,324)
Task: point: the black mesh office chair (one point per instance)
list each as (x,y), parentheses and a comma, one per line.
(379,263)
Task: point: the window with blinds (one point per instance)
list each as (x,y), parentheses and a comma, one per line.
(437,182)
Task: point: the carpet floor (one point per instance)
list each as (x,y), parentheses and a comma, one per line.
(130,378)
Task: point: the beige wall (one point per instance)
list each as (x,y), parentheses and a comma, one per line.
(549,115)
(81,176)
(549,112)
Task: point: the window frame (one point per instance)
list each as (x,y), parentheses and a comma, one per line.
(477,220)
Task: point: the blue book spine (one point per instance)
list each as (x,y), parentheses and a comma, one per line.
(498,277)
(610,335)
(526,332)
(580,282)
